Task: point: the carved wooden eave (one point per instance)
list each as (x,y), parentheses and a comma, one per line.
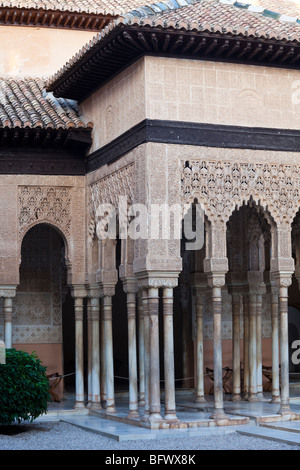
(107,56)
(54,19)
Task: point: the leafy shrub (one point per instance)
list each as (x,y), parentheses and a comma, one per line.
(24,388)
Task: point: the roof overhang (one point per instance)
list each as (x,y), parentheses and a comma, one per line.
(40,17)
(108,55)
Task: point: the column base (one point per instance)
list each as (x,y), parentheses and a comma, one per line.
(200,399)
(111,409)
(253,397)
(95,406)
(79,405)
(133,414)
(219,415)
(171,418)
(153,417)
(236,397)
(285,411)
(275,399)
(260,395)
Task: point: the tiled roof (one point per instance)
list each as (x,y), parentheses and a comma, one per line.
(114,7)
(212,16)
(24,103)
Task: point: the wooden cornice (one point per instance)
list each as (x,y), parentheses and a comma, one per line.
(126,44)
(53,19)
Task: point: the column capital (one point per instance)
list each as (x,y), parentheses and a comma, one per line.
(130,285)
(216,279)
(107,290)
(158,279)
(78,291)
(93,291)
(8,290)
(283,279)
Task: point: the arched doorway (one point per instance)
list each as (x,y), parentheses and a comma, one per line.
(43,314)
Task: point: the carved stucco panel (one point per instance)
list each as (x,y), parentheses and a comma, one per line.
(221,186)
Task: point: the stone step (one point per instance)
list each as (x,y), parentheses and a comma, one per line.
(280,433)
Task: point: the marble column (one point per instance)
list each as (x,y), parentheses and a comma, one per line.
(199,398)
(79,295)
(259,378)
(283,282)
(236,351)
(217,281)
(89,353)
(146,351)
(170,406)
(141,346)
(109,358)
(275,345)
(95,351)
(154,372)
(102,356)
(252,349)
(7,307)
(246,346)
(132,353)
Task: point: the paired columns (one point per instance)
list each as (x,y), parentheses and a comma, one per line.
(150,303)
(8,293)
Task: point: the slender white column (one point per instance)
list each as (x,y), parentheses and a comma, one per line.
(110,390)
(132,355)
(170,406)
(89,351)
(79,360)
(7,306)
(259,378)
(95,352)
(102,355)
(275,346)
(236,352)
(218,413)
(155,407)
(246,346)
(147,352)
(252,348)
(141,343)
(199,348)
(284,348)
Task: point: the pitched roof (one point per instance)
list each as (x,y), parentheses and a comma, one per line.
(24,103)
(220,18)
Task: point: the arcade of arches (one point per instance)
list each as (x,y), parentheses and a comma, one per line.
(149,316)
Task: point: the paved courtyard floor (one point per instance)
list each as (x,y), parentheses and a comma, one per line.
(63,428)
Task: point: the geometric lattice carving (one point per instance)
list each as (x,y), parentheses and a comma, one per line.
(108,190)
(222,186)
(51,204)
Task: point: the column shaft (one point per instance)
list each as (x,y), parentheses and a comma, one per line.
(252,348)
(170,406)
(246,346)
(284,350)
(147,351)
(236,352)
(7,306)
(199,349)
(155,408)
(79,360)
(110,391)
(259,346)
(218,372)
(132,356)
(95,346)
(141,343)
(275,349)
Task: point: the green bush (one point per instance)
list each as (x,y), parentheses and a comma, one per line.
(24,388)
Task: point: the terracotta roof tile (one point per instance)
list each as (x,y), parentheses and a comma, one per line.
(24,103)
(114,7)
(199,15)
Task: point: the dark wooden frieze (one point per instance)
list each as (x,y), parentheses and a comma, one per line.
(126,44)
